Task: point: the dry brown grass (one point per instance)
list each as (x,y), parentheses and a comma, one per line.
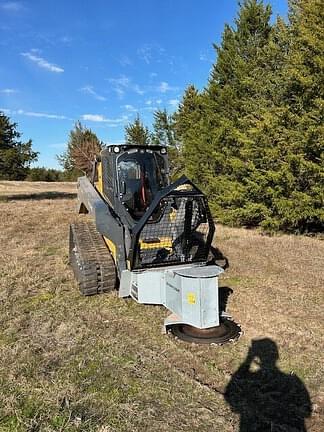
(101,364)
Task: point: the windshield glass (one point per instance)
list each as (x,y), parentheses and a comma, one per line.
(140,175)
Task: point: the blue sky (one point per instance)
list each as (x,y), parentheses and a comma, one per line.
(103,61)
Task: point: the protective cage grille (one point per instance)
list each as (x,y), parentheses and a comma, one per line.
(179,230)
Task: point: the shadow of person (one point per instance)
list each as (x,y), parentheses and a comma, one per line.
(266,398)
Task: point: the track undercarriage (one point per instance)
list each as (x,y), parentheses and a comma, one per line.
(92,264)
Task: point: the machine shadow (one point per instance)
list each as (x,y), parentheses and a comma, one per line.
(41,196)
(217,257)
(266,398)
(224,293)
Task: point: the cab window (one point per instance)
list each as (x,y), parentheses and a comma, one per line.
(140,177)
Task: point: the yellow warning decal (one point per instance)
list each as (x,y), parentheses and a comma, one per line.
(191,297)
(158,243)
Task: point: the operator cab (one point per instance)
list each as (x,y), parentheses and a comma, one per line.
(141,174)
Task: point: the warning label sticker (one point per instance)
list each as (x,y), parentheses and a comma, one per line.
(191,297)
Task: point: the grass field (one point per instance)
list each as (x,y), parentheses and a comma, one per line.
(69,363)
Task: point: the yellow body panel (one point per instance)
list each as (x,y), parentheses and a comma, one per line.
(99,184)
(173,215)
(111,247)
(165,242)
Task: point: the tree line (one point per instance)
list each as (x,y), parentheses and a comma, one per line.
(16,157)
(252,139)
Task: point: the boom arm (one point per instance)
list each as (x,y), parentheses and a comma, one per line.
(106,224)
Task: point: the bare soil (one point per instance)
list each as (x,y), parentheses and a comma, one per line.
(69,363)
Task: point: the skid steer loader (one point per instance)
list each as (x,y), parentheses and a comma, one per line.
(151,236)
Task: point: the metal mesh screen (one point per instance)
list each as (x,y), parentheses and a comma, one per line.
(178,231)
(107,172)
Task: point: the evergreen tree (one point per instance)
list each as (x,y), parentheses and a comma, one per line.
(188,126)
(15,155)
(45,174)
(136,133)
(163,129)
(164,134)
(253,138)
(300,207)
(213,124)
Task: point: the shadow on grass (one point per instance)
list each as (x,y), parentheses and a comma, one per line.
(224,292)
(217,257)
(39,196)
(266,398)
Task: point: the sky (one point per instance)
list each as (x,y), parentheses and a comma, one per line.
(102,62)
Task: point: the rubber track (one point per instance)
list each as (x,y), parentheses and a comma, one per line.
(92,263)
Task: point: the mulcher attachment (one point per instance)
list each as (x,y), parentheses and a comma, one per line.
(93,266)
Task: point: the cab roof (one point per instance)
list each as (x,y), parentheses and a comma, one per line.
(121,148)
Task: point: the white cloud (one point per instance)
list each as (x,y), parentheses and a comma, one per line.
(148,102)
(120,85)
(123,83)
(41,62)
(66,40)
(151,52)
(35,51)
(125,60)
(8,91)
(35,114)
(120,92)
(174,102)
(5,110)
(12,6)
(89,90)
(145,53)
(99,118)
(130,108)
(137,89)
(158,101)
(93,117)
(42,115)
(164,87)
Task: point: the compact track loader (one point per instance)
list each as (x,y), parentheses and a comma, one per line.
(151,240)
